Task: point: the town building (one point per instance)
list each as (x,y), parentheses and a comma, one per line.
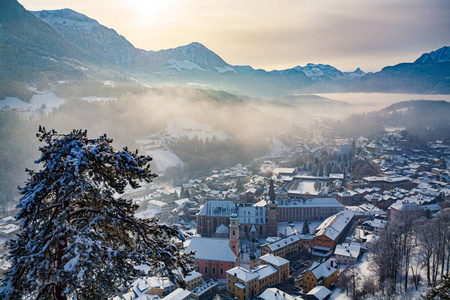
(247,284)
(288,246)
(320,274)
(213,257)
(274,293)
(347,253)
(215,214)
(330,231)
(204,291)
(178,294)
(384,183)
(318,293)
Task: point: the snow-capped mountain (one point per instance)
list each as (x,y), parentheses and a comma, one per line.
(320,72)
(189,57)
(430,73)
(65,44)
(439,56)
(99,41)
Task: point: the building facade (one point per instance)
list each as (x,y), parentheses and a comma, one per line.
(247,284)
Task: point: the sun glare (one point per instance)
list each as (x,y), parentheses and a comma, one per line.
(152,11)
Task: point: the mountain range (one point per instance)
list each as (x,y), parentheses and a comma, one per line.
(66,45)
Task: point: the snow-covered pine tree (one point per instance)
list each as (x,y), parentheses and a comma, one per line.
(78,240)
(305,229)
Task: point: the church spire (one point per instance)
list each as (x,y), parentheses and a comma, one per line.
(271,191)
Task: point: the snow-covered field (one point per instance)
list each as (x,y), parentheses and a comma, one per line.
(41,102)
(163,159)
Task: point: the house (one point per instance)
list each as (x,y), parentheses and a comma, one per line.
(376,225)
(192,280)
(330,232)
(401,209)
(288,246)
(318,293)
(281,264)
(320,274)
(204,291)
(347,253)
(274,293)
(348,198)
(246,284)
(146,286)
(178,294)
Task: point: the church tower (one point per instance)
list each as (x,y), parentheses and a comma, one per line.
(234,233)
(272,212)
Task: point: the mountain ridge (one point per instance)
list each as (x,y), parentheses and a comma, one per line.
(84,48)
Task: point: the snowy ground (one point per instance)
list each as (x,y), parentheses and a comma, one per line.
(41,102)
(298,225)
(163,159)
(364,271)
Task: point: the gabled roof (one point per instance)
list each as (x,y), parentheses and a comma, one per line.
(320,292)
(274,260)
(212,249)
(273,293)
(333,226)
(243,274)
(264,271)
(323,270)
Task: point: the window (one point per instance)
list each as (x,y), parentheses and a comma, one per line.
(221,271)
(206,270)
(214,270)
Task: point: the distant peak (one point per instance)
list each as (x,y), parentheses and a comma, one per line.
(438,56)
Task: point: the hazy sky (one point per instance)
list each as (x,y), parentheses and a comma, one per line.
(278,34)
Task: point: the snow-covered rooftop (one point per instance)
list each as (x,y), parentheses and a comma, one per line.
(319,292)
(348,249)
(333,226)
(243,274)
(212,249)
(222,208)
(274,293)
(274,260)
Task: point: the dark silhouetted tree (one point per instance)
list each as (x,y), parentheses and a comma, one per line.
(305,229)
(79,240)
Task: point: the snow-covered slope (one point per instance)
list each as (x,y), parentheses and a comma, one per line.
(188,57)
(41,102)
(158,145)
(94,38)
(439,56)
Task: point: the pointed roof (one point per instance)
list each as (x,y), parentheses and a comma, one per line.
(271,191)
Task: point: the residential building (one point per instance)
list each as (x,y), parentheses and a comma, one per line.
(330,231)
(178,294)
(318,293)
(274,293)
(288,246)
(347,253)
(246,284)
(320,274)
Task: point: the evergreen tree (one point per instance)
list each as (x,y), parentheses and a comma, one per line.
(305,229)
(78,240)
